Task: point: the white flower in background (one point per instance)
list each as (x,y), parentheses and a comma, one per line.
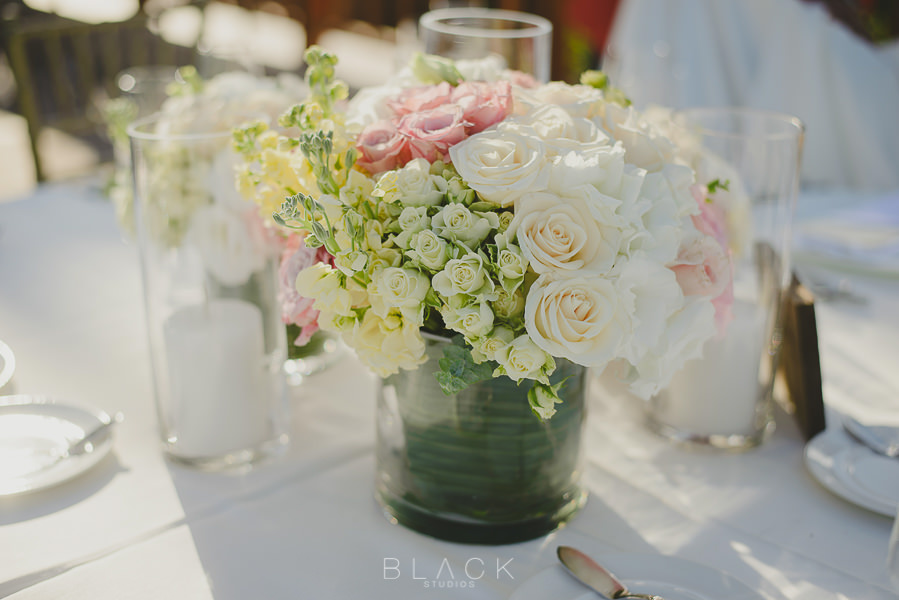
(661,213)
(646,146)
(489,68)
(223,241)
(501,166)
(577,100)
(687,330)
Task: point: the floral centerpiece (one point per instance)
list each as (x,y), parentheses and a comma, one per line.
(546,228)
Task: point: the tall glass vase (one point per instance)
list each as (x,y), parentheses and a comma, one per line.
(210,275)
(478,466)
(724,398)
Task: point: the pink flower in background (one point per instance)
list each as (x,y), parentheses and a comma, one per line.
(704,266)
(525,80)
(483,104)
(432,132)
(711,219)
(421,98)
(297,309)
(382,147)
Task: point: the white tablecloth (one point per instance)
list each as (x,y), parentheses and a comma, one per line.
(306,525)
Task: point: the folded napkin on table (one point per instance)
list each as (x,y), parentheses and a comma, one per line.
(866,234)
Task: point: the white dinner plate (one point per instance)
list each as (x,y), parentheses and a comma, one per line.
(7,364)
(34,430)
(853,471)
(667,576)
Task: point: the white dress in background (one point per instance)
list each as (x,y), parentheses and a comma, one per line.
(782,55)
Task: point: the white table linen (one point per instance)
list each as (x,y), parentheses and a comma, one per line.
(307,526)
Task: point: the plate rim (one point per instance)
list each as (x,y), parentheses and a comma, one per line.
(82,465)
(9,364)
(832,481)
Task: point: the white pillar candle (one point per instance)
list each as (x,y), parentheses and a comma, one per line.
(718,393)
(218,383)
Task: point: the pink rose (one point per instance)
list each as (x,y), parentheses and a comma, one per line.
(381,148)
(483,104)
(432,132)
(421,98)
(297,309)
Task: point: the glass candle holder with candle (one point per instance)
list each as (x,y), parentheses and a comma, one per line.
(747,166)
(210,283)
(520,41)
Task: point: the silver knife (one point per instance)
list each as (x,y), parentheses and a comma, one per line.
(587,571)
(881,439)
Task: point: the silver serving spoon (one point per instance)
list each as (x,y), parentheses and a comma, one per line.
(587,571)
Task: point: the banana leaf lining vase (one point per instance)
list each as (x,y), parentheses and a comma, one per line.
(478,466)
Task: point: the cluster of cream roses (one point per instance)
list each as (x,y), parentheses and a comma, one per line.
(550,234)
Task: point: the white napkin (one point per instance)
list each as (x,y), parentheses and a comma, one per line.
(866,234)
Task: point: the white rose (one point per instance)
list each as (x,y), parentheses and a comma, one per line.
(501,166)
(457,223)
(559,129)
(412,185)
(428,250)
(566,235)
(603,167)
(402,289)
(578,100)
(472,321)
(464,275)
(523,359)
(508,306)
(646,146)
(579,318)
(482,69)
(485,348)
(387,345)
(322,282)
(412,220)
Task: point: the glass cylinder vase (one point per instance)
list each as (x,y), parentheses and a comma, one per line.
(478,466)
(749,159)
(210,275)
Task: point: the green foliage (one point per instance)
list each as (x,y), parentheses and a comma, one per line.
(716,184)
(543,398)
(458,369)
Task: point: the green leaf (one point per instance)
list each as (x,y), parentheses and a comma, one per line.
(458,369)
(717,184)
